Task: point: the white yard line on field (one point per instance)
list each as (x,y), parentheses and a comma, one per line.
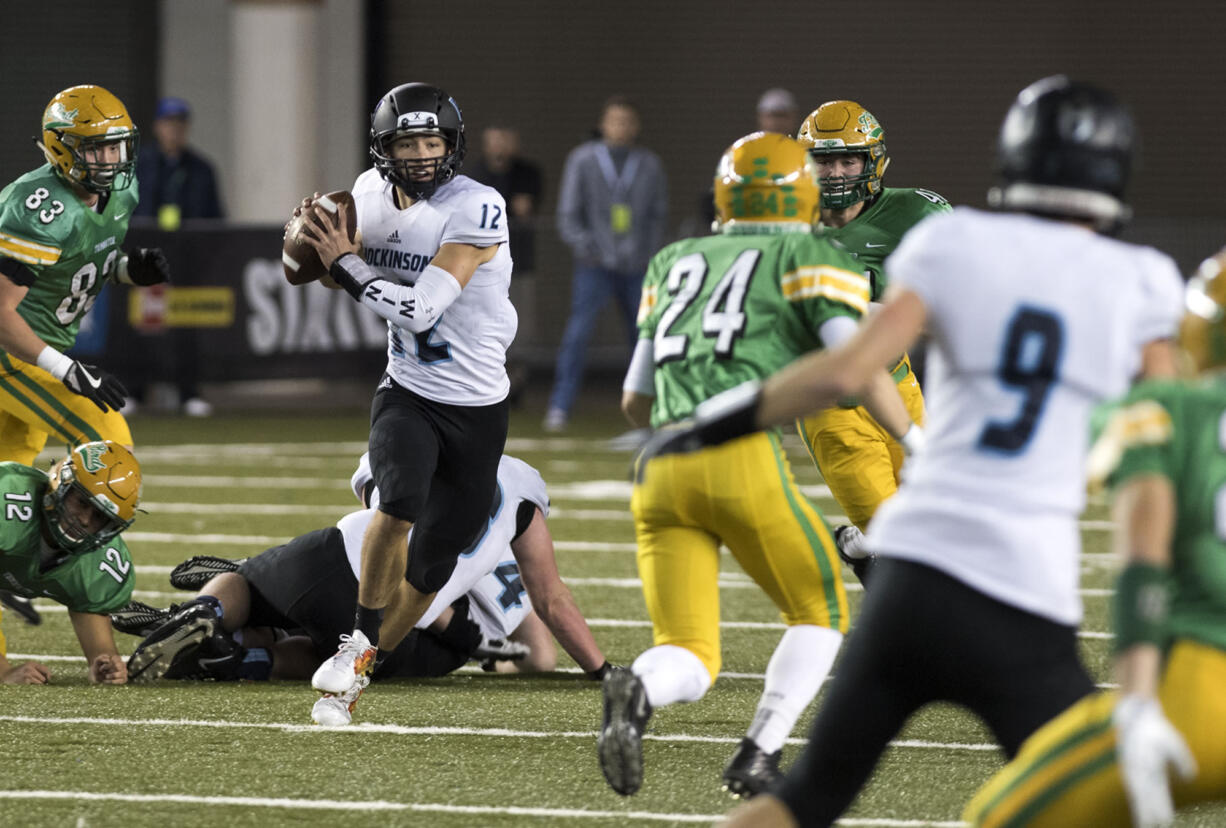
(475,670)
(357,806)
(406,730)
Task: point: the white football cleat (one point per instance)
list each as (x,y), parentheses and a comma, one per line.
(337,711)
(354,659)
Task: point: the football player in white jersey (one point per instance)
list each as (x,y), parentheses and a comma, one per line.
(1034,317)
(435,264)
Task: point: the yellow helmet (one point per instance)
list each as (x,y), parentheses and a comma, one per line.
(93,496)
(1203,330)
(765,179)
(846,128)
(84,117)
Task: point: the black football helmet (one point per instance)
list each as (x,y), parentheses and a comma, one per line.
(1066,150)
(413,109)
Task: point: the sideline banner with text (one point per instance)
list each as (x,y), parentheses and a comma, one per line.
(230,310)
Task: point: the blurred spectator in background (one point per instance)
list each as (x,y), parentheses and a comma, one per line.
(612,212)
(776,112)
(175,183)
(519,182)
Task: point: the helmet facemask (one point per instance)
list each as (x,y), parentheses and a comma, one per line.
(400,171)
(97,176)
(840,192)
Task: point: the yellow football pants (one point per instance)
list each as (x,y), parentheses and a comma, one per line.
(1066,773)
(35,405)
(741,494)
(858,459)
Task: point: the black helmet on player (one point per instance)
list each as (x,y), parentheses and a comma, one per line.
(1066,150)
(417,109)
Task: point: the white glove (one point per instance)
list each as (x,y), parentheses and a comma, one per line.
(1145,744)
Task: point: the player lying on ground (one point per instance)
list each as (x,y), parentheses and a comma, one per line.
(60,540)
(509,577)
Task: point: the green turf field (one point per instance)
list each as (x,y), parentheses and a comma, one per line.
(470,749)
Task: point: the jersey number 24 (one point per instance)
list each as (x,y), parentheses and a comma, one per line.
(723,317)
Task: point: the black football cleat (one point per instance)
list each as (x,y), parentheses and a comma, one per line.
(174,642)
(218,658)
(862,567)
(198,570)
(620,743)
(140,619)
(22,606)
(751,770)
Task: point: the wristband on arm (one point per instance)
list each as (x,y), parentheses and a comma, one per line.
(1142,598)
(54,363)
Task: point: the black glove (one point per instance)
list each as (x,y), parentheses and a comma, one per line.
(148,266)
(99,386)
(724,417)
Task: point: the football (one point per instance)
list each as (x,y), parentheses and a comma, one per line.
(299,260)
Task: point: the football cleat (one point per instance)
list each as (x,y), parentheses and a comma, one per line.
(340,672)
(174,642)
(218,658)
(333,710)
(620,742)
(141,619)
(198,570)
(751,770)
(500,649)
(850,544)
(21,605)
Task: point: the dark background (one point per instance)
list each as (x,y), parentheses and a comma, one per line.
(938,77)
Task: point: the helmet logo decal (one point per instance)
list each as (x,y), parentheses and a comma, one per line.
(417,120)
(59,117)
(869,125)
(91,457)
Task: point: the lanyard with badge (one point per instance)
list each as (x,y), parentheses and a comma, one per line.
(619,186)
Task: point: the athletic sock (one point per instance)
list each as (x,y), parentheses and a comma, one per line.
(257,665)
(797,668)
(671,674)
(211,601)
(367,622)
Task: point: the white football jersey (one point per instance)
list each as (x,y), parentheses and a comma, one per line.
(462,359)
(487,570)
(1032,322)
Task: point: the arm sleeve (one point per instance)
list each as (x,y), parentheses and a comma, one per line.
(479,219)
(413,307)
(640,376)
(836,330)
(17,272)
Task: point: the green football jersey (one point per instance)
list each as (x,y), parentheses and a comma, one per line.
(69,247)
(873,235)
(1178,430)
(734,307)
(99,581)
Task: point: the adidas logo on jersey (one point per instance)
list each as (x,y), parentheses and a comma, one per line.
(394,238)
